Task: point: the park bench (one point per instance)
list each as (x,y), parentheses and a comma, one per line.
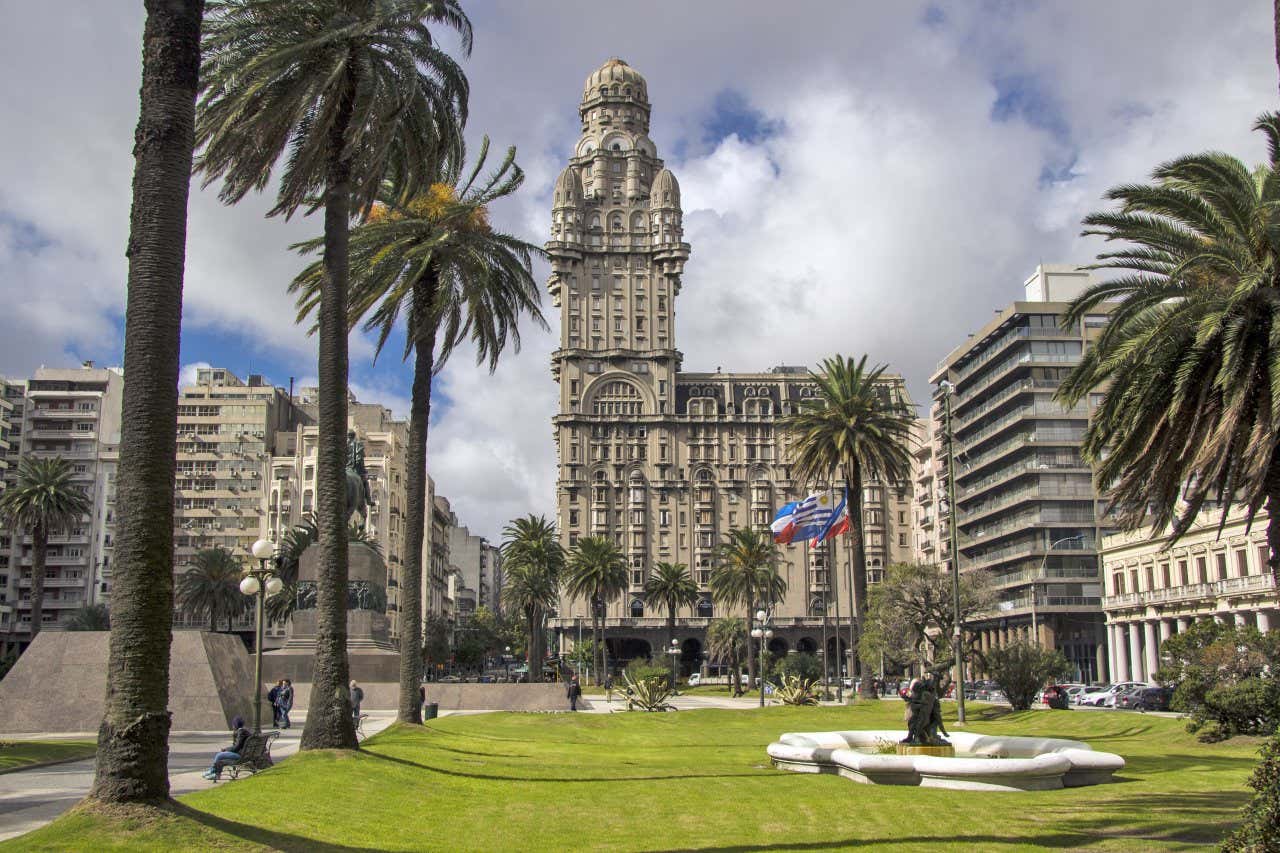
(256,755)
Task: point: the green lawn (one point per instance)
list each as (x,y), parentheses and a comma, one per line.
(687,780)
(16,754)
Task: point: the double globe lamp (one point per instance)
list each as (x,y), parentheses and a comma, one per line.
(763,633)
(260,583)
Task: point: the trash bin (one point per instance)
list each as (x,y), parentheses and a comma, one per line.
(431,710)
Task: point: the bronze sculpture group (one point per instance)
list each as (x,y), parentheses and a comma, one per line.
(924,714)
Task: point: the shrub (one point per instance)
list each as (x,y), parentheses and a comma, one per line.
(649,694)
(797,690)
(804,666)
(1224,678)
(640,669)
(1022,669)
(1260,832)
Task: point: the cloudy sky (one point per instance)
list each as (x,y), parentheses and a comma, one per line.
(857,177)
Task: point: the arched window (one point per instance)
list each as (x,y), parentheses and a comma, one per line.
(595,221)
(705,611)
(616,147)
(617,398)
(637,608)
(615,224)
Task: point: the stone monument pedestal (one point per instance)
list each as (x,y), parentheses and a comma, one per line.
(372,658)
(947,751)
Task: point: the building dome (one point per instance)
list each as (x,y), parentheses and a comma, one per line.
(616,73)
(664,191)
(568,190)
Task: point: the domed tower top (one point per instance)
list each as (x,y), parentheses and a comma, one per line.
(616,79)
(568,190)
(665,191)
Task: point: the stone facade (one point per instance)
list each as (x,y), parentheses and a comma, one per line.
(664,461)
(1155,589)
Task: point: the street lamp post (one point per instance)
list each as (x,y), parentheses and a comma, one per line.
(260,583)
(674,651)
(506,662)
(763,633)
(1035,582)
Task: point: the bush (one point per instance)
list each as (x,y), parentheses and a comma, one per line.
(648,694)
(1224,678)
(797,690)
(1022,669)
(640,669)
(805,666)
(1260,832)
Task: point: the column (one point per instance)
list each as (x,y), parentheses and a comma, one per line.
(1119,657)
(1183,624)
(1152,659)
(1135,653)
(1101,672)
(1264,621)
(1166,630)
(1239,619)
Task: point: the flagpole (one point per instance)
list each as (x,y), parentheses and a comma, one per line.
(826,668)
(835,595)
(854,631)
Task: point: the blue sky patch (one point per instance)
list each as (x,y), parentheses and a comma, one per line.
(1024,97)
(24,236)
(732,113)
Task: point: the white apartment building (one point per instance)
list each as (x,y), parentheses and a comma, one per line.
(1155,589)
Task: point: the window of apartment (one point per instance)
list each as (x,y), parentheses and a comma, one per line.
(1263,558)
(1183,578)
(1221,557)
(1151,578)
(1202,571)
(1242,563)
(1117,583)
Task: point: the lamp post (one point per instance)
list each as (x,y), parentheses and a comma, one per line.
(1035,582)
(260,583)
(763,633)
(674,651)
(957,644)
(506,661)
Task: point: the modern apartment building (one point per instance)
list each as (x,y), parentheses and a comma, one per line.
(929,521)
(12,395)
(1156,589)
(1026,508)
(436,588)
(663,461)
(73,414)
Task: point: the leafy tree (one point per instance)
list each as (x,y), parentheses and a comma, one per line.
(595,571)
(855,427)
(1188,362)
(1224,676)
(671,587)
(43,501)
(435,640)
(6,663)
(91,617)
(1022,670)
(582,655)
(804,666)
(210,589)
(746,575)
(532,560)
(133,740)
(433,257)
(1260,832)
(351,90)
(912,610)
(727,644)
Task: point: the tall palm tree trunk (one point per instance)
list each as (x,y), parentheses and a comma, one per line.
(133,740)
(1273,512)
(671,638)
(858,560)
(39,559)
(329,724)
(416,509)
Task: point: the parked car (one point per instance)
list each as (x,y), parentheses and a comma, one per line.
(1146,699)
(1107,696)
(1055,697)
(1074,692)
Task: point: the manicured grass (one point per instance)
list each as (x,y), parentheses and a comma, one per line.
(686,780)
(17,754)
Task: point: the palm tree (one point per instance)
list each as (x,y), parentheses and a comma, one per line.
(671,587)
(1189,360)
(91,617)
(532,560)
(856,426)
(43,501)
(300,537)
(596,572)
(133,740)
(350,89)
(211,588)
(746,574)
(434,258)
(726,642)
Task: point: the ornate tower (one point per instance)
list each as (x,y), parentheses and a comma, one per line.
(616,260)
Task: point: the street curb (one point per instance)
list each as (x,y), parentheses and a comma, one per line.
(53,763)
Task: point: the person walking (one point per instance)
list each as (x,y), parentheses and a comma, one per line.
(574,692)
(232,753)
(357,696)
(286,702)
(273,696)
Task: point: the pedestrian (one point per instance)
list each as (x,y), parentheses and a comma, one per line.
(273,696)
(608,688)
(357,696)
(574,692)
(286,702)
(232,753)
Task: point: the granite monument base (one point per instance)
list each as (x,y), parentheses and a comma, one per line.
(60,683)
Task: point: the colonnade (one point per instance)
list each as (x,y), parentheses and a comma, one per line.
(1135,644)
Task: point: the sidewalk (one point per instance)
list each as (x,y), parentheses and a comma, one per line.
(31,798)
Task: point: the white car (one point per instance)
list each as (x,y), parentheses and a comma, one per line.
(1107,696)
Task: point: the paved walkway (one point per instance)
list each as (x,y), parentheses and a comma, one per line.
(31,798)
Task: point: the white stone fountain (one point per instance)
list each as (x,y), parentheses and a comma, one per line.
(982,762)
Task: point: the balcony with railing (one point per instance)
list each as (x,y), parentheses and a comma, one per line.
(1247,585)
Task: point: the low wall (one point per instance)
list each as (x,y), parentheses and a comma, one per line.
(385,696)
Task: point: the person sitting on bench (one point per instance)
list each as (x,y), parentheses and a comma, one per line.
(230,755)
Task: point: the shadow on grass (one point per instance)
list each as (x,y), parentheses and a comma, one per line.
(975,842)
(558,779)
(259,835)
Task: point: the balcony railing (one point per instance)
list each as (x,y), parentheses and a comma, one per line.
(1230,586)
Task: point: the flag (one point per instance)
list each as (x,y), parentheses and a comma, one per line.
(837,523)
(805,519)
(783,527)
